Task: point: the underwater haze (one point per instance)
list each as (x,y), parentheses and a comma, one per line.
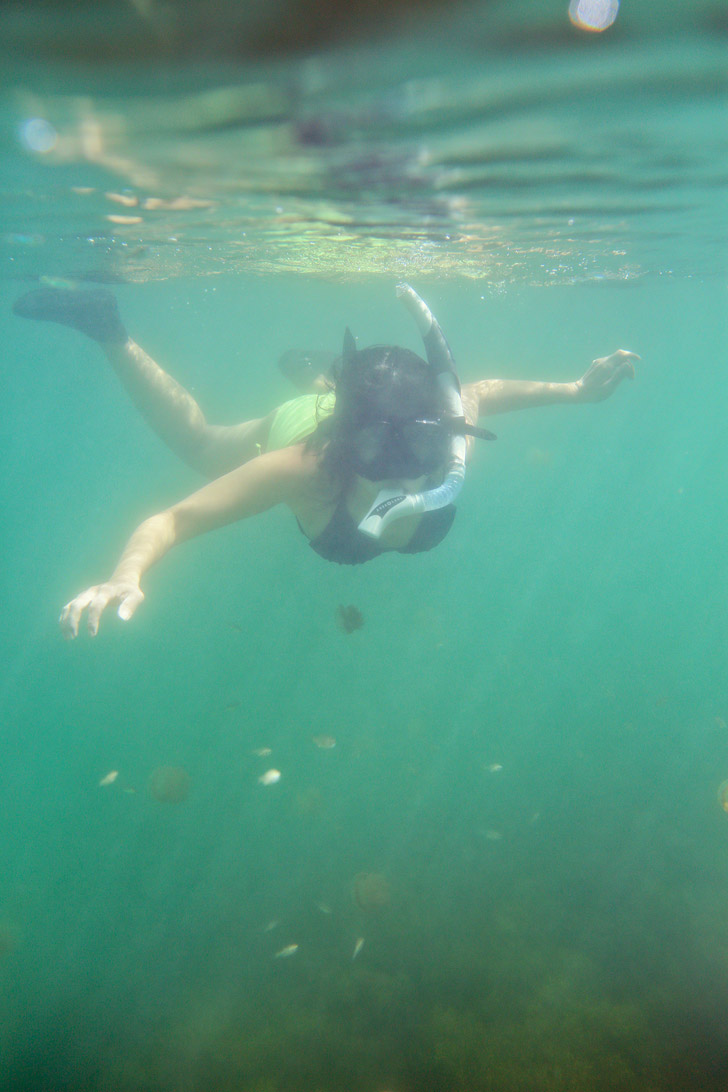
(496,857)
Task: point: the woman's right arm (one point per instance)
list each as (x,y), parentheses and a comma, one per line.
(274,478)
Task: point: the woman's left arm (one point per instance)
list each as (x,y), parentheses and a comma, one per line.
(490,396)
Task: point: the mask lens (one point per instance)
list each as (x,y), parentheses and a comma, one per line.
(380,452)
(368,442)
(399,449)
(427,441)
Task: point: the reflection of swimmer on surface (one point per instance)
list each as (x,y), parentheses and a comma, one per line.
(370,466)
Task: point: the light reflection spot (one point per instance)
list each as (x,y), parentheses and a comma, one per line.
(593,14)
(38,135)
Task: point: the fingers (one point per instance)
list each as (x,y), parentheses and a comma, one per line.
(97,606)
(129,604)
(95,600)
(624,371)
(616,360)
(607,372)
(624,361)
(610,384)
(71,613)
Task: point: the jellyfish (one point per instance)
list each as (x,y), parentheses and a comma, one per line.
(370,891)
(170,784)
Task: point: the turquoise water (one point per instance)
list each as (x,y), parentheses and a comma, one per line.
(530,726)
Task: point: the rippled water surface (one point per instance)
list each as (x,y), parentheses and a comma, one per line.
(478,152)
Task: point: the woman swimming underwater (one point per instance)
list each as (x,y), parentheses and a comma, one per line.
(370,466)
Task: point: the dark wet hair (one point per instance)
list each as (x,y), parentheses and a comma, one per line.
(379,382)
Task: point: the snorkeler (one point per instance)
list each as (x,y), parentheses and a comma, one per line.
(372,465)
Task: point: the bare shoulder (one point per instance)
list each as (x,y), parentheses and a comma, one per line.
(297,471)
(309,490)
(292,462)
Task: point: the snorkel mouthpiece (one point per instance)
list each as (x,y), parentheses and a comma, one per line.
(391,503)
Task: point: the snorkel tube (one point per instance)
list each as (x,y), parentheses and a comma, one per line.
(391,503)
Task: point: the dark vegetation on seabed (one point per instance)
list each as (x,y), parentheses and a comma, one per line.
(507,959)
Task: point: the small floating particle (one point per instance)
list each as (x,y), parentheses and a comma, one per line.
(723,796)
(270,777)
(262,752)
(178,203)
(17,238)
(538,456)
(271,925)
(310,801)
(110,778)
(170,784)
(371,892)
(493,835)
(495,767)
(83,191)
(324,743)
(129,200)
(130,790)
(357,947)
(116,219)
(9,936)
(349,618)
(323,907)
(284,953)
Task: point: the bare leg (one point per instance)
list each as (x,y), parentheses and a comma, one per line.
(167,407)
(175,416)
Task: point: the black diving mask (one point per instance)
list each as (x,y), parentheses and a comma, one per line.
(406,448)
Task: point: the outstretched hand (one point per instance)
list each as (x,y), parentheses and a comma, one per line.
(96,600)
(605,375)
